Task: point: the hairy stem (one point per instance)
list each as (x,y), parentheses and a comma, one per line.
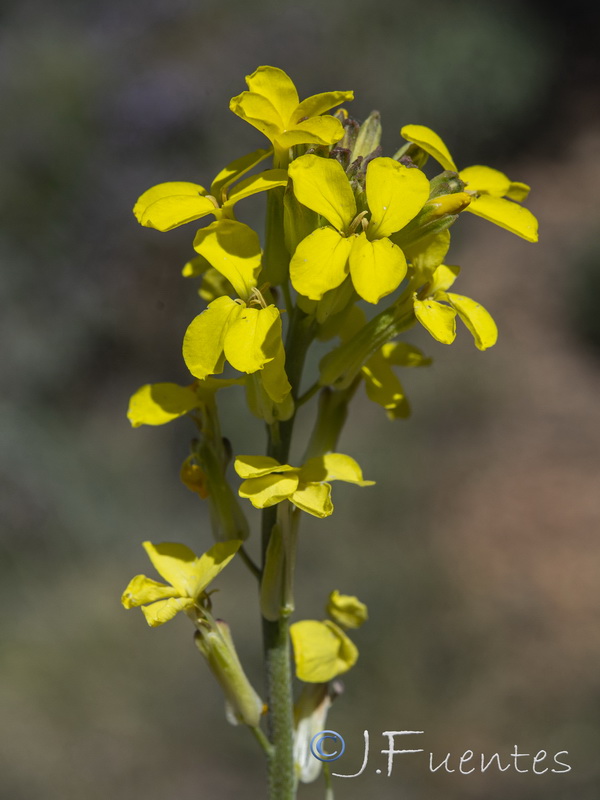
(278,662)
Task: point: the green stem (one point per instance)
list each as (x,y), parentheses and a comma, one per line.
(328,782)
(248,561)
(306,396)
(332,413)
(278,661)
(265,744)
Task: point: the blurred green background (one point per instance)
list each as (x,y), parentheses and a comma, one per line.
(477,552)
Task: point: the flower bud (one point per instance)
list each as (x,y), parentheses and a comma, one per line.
(276,587)
(228,521)
(298,220)
(413,154)
(369,137)
(216,645)
(193,477)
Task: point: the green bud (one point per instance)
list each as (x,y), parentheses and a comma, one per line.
(413,154)
(276,588)
(261,405)
(369,137)
(298,220)
(216,645)
(351,128)
(446,182)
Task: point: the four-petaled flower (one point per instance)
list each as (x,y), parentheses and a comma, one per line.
(272,105)
(492,187)
(267,482)
(394,193)
(187,579)
(436,309)
(169,205)
(246,332)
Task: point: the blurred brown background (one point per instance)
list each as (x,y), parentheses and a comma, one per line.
(478,550)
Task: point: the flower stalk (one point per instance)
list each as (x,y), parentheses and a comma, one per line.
(347,229)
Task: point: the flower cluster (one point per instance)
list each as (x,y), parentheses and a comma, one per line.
(354,253)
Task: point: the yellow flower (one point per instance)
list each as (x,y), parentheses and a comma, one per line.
(492,187)
(394,193)
(248,337)
(346,610)
(187,577)
(436,310)
(272,105)
(267,482)
(169,205)
(322,651)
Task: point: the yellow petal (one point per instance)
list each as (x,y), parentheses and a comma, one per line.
(211,563)
(274,378)
(233,249)
(395,195)
(477,319)
(258,111)
(171,204)
(322,651)
(269,489)
(347,610)
(431,143)
(384,388)
(485,180)
(277,86)
(269,179)
(438,319)
(319,103)
(403,354)
(189,575)
(203,340)
(377,268)
(195,266)
(507,214)
(322,185)
(159,403)
(257,466)
(236,169)
(164,610)
(318,130)
(443,278)
(518,191)
(320,263)
(214,285)
(333,467)
(314,498)
(260,403)
(253,338)
(142,590)
(176,563)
